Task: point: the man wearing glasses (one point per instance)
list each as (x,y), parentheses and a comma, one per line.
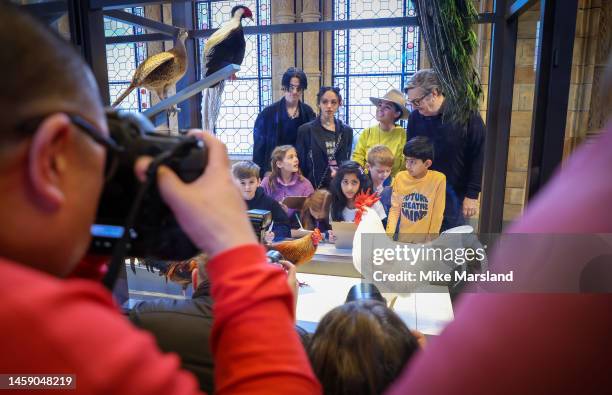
(459,149)
(54,151)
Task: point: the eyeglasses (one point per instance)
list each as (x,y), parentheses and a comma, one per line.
(111,146)
(417,102)
(291,88)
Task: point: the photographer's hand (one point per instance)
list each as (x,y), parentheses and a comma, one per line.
(269,237)
(291,281)
(210,210)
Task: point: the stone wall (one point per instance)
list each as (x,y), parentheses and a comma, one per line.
(522,113)
(586,114)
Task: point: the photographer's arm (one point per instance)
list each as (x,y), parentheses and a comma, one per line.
(254,342)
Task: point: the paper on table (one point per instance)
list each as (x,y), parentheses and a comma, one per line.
(300,232)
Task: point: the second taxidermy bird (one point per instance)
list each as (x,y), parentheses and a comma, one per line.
(159,72)
(226,46)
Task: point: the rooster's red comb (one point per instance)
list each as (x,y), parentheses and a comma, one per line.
(363,200)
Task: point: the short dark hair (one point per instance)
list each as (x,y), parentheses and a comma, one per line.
(37,65)
(297,73)
(360,348)
(419,147)
(324,89)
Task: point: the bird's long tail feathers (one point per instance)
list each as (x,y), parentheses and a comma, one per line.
(211,105)
(124,95)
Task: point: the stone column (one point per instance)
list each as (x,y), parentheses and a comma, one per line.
(283,45)
(327,45)
(311,52)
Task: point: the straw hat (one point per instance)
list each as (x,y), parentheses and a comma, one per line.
(393,96)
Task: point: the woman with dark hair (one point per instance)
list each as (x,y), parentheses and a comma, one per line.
(324,142)
(278,123)
(349,180)
(359,348)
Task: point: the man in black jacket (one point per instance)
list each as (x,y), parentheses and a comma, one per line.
(278,123)
(183,327)
(459,149)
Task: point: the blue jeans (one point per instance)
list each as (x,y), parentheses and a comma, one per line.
(453,210)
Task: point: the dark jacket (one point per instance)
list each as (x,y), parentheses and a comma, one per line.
(261,201)
(182,327)
(310,147)
(268,126)
(458,151)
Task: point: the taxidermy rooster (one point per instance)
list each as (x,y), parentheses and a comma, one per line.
(226,46)
(178,272)
(299,251)
(160,71)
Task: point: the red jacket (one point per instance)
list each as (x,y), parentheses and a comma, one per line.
(50,325)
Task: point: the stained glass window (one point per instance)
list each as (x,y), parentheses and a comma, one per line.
(369,62)
(245,97)
(123,59)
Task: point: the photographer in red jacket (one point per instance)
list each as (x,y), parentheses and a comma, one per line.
(52,176)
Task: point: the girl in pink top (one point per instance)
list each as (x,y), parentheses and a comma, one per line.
(286,179)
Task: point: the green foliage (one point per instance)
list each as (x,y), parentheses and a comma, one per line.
(447,29)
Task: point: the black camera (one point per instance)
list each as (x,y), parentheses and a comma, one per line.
(260,220)
(155,232)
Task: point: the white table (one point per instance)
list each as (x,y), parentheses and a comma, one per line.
(426,312)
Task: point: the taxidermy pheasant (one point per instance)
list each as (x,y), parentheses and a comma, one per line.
(299,251)
(226,46)
(160,71)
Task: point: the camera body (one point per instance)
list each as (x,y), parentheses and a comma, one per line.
(155,232)
(260,220)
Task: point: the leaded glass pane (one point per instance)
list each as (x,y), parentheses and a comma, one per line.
(370,62)
(364,9)
(379,50)
(244,98)
(362,111)
(123,59)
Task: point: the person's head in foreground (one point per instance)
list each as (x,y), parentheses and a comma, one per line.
(246,175)
(419,153)
(53,146)
(360,348)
